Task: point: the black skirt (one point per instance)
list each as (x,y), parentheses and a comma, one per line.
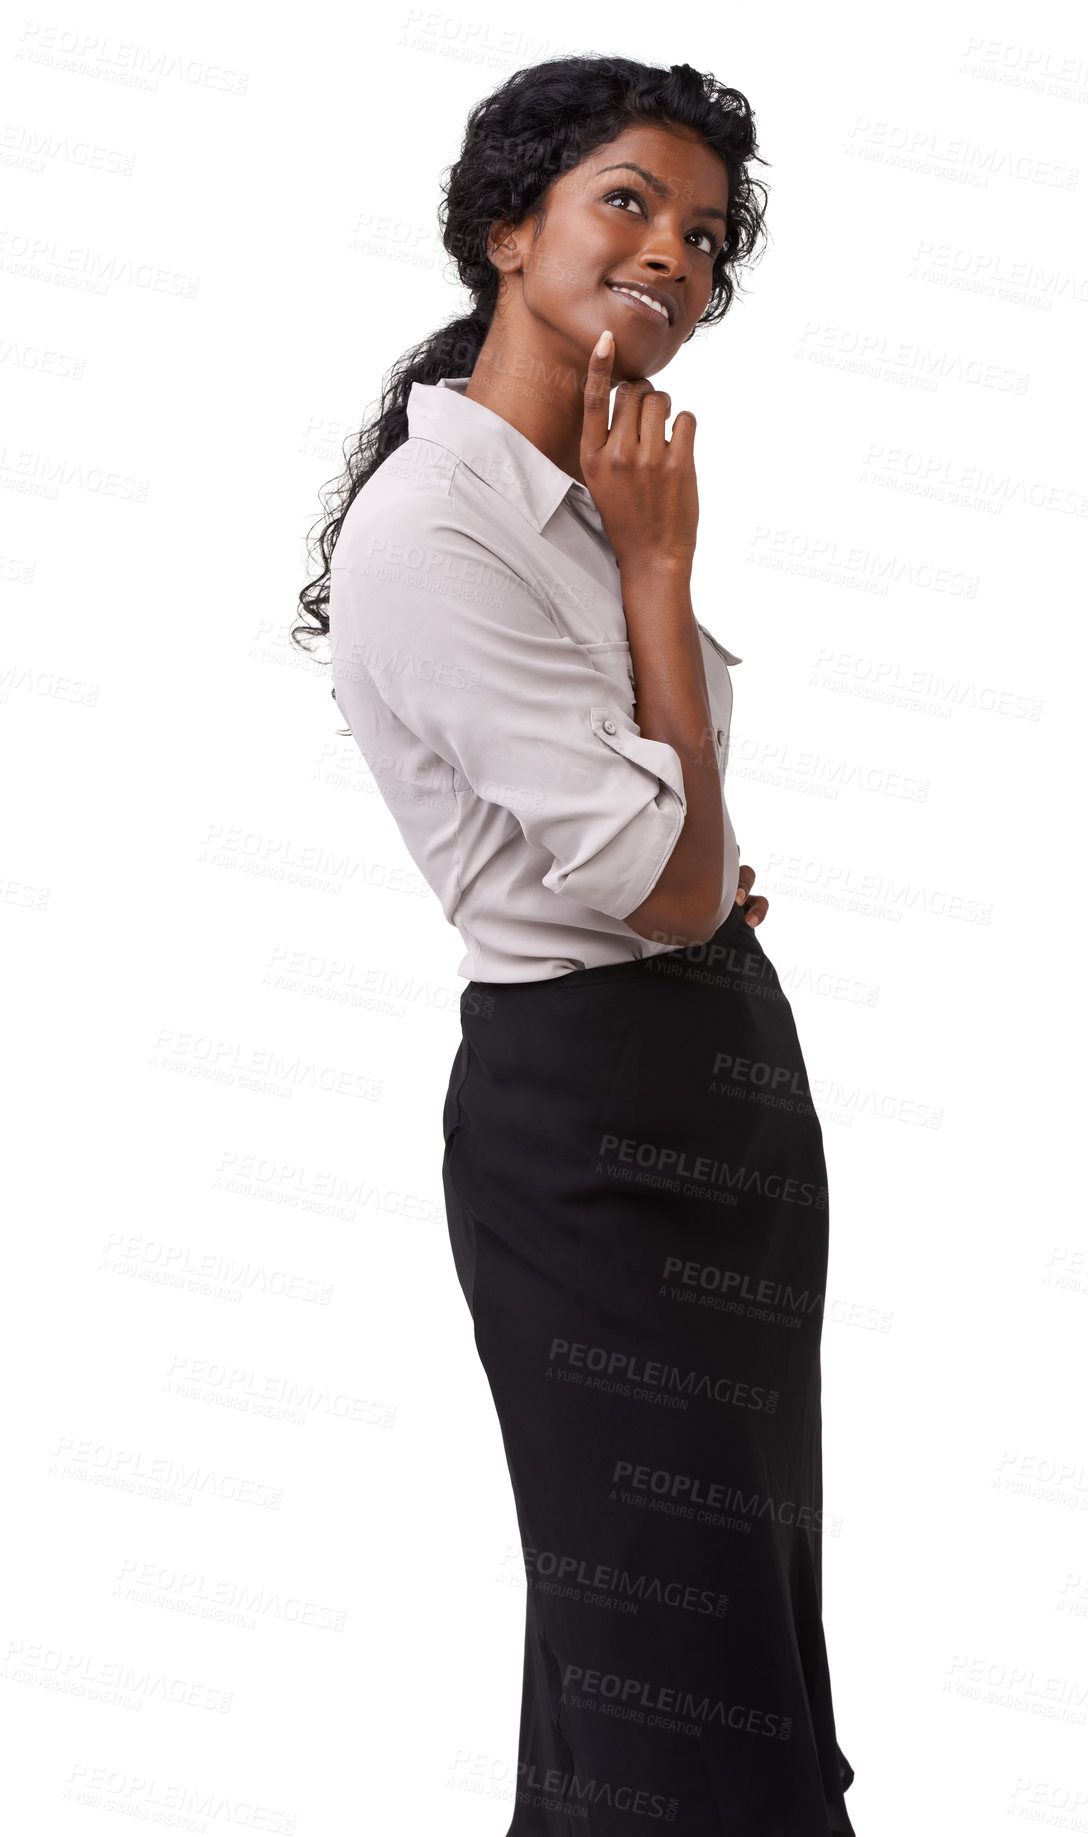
(637,1203)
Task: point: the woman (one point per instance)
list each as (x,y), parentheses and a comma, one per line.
(633,1170)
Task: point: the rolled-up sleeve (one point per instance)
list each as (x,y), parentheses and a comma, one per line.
(469,659)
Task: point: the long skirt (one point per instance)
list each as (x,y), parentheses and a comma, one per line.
(636,1195)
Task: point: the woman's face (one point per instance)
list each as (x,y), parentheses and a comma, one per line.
(661,226)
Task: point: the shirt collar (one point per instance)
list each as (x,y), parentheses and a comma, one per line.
(499,454)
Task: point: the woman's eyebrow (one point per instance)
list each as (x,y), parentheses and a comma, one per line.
(662,190)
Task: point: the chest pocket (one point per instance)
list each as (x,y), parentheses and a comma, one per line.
(613,659)
(718,645)
(720,687)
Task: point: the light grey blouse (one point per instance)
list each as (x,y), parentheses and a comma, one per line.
(480,659)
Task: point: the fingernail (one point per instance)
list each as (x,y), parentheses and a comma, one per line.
(741,897)
(601,348)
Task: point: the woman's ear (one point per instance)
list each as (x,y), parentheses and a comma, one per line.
(502,247)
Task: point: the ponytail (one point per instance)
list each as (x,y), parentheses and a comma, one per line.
(451,351)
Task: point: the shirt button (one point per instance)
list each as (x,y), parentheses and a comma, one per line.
(609,727)
(721,737)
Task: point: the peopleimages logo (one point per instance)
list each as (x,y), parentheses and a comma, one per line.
(606,1581)
(619,1369)
(556,1791)
(687,1490)
(630,1697)
(715,1278)
(703,1170)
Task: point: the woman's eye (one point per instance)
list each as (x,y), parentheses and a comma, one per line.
(620,194)
(713,245)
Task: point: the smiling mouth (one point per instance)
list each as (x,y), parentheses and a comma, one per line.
(641,303)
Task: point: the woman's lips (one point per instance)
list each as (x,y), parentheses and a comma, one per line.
(639,306)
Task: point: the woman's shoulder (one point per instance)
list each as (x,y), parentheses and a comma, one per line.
(420,493)
(415,473)
(405,492)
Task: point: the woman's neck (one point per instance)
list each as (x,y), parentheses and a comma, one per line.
(540,395)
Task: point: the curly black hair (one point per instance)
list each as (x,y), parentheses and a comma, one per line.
(537,125)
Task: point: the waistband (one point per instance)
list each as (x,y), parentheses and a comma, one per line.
(707,954)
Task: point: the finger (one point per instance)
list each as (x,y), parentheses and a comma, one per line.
(745,877)
(682,440)
(598,388)
(756,911)
(656,409)
(626,410)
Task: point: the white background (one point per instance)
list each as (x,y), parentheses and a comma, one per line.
(232,1007)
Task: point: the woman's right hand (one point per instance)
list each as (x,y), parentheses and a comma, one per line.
(642,484)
